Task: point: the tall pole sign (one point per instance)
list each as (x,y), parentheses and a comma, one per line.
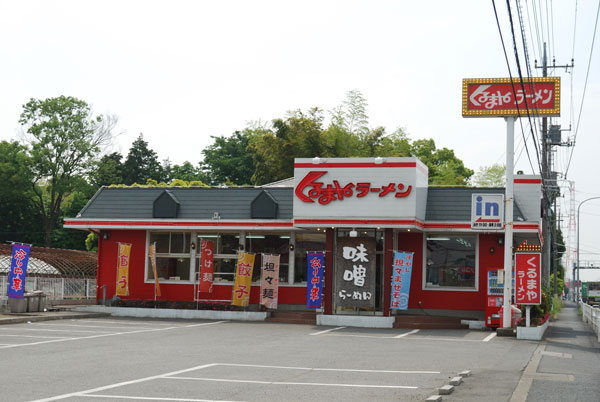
(510,98)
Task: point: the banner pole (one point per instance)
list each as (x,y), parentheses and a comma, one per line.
(508,213)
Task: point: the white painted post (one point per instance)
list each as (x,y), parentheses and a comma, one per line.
(292,259)
(508,217)
(528,316)
(62,290)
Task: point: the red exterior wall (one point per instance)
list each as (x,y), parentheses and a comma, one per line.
(107,273)
(449,300)
(407,241)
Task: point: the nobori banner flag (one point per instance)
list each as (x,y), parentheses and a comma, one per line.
(206,266)
(403,263)
(314,286)
(123,269)
(18,270)
(269,283)
(243,279)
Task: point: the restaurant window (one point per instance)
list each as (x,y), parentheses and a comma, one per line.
(269,243)
(450,261)
(306,242)
(226,246)
(172,256)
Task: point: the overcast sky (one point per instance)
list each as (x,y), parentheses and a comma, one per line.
(182,71)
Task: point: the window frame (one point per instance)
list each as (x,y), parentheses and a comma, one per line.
(424,286)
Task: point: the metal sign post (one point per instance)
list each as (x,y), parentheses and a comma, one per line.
(508,214)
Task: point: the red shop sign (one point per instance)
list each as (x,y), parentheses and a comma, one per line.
(500,97)
(310,190)
(528,269)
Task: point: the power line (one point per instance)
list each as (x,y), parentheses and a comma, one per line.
(584,89)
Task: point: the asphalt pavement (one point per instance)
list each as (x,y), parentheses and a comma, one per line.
(298,362)
(569,368)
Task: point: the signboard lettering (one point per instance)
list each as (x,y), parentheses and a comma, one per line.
(528,289)
(18,270)
(487,211)
(402,273)
(501,97)
(314,286)
(269,284)
(355,272)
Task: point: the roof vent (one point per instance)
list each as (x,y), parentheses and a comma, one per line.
(165,205)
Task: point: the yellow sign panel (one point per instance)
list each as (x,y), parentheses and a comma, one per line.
(123,269)
(503,97)
(243,279)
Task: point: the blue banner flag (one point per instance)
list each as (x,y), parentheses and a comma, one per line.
(18,270)
(314,285)
(403,263)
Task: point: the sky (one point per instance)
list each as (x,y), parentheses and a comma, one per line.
(182,71)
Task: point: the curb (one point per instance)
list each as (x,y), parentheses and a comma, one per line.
(36,318)
(449,388)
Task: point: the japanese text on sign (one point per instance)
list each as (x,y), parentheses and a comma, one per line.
(206,266)
(355,272)
(123,260)
(527,281)
(402,272)
(243,279)
(18,270)
(269,284)
(326,193)
(314,286)
(503,97)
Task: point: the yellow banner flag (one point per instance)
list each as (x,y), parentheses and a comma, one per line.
(123,269)
(152,253)
(243,279)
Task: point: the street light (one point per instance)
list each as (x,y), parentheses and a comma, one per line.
(577,267)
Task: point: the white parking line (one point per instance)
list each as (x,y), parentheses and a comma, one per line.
(293,383)
(35,336)
(107,334)
(121,384)
(326,331)
(123,322)
(53,330)
(85,326)
(327,369)
(490,337)
(148,398)
(414,331)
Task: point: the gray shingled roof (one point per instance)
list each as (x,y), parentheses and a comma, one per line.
(454,203)
(443,203)
(195,202)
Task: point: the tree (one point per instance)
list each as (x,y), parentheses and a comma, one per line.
(444,167)
(109,170)
(187,172)
(299,135)
(64,138)
(141,163)
(229,159)
(351,115)
(490,176)
(19,220)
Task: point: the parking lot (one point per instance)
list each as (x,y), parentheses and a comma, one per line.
(110,359)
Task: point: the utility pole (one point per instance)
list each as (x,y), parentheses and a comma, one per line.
(549,189)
